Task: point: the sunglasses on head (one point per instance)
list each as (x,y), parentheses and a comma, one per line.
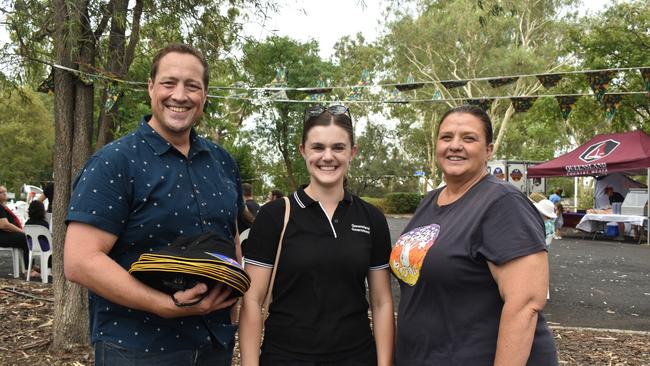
(334,110)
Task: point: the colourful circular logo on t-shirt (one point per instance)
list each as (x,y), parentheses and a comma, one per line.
(408,254)
(516,175)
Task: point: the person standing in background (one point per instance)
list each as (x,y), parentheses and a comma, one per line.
(556,196)
(245,221)
(274,195)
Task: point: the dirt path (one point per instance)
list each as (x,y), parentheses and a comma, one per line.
(26,326)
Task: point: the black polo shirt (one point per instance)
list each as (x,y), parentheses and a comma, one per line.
(319,310)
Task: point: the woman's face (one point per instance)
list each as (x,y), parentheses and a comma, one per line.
(327,152)
(462,151)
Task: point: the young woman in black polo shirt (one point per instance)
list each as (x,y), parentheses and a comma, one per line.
(333,242)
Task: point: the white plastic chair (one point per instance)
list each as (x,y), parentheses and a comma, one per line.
(16,260)
(39,242)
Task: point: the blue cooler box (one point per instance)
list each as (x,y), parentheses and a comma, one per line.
(612,229)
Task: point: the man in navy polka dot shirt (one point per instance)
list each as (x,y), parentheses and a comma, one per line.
(136,195)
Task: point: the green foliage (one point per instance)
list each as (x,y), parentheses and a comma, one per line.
(277,129)
(380,203)
(26,139)
(401,202)
(243,154)
(463,39)
(618,37)
(378,162)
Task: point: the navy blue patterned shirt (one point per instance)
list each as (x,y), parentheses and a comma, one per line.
(147,193)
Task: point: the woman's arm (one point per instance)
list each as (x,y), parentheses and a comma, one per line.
(250,318)
(383,318)
(523,285)
(5,225)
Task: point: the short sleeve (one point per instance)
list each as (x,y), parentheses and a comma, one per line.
(380,240)
(262,243)
(99,196)
(512,228)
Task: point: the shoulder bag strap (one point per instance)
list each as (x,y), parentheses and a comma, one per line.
(269,291)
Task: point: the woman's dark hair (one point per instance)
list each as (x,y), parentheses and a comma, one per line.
(36,210)
(476,112)
(277,193)
(326,119)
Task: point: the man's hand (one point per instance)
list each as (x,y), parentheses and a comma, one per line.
(216,299)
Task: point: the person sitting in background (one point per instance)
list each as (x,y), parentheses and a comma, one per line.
(37,216)
(36,212)
(11,230)
(48,194)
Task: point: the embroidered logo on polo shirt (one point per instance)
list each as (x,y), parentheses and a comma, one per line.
(408,254)
(361,228)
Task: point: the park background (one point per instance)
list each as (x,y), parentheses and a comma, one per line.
(73,78)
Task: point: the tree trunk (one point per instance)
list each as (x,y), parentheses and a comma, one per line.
(503,128)
(432,149)
(116,52)
(120,57)
(73,120)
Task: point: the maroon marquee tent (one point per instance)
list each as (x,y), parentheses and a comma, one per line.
(627,152)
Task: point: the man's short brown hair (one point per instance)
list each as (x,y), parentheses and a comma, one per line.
(247,189)
(184,49)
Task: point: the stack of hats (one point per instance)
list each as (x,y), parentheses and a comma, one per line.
(205,258)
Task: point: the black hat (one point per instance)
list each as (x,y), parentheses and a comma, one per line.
(206,258)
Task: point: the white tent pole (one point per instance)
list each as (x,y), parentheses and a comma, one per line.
(575,193)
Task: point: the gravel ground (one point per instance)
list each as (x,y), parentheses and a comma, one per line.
(26,326)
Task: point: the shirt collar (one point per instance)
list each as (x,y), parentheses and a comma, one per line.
(304,200)
(160,146)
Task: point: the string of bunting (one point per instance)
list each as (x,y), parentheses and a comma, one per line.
(598,80)
(276,90)
(521,104)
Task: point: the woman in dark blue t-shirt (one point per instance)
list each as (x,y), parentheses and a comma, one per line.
(472,264)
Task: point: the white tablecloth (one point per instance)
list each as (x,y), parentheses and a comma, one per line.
(591,222)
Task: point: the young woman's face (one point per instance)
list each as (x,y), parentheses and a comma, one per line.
(462,151)
(327,152)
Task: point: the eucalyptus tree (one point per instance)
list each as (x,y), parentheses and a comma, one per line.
(461,40)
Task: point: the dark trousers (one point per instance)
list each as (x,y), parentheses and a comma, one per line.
(365,357)
(15,240)
(109,354)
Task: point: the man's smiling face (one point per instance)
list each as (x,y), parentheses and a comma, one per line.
(177,94)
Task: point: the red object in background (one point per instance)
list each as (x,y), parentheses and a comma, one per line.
(627,152)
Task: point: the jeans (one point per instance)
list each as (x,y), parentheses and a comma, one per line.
(109,354)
